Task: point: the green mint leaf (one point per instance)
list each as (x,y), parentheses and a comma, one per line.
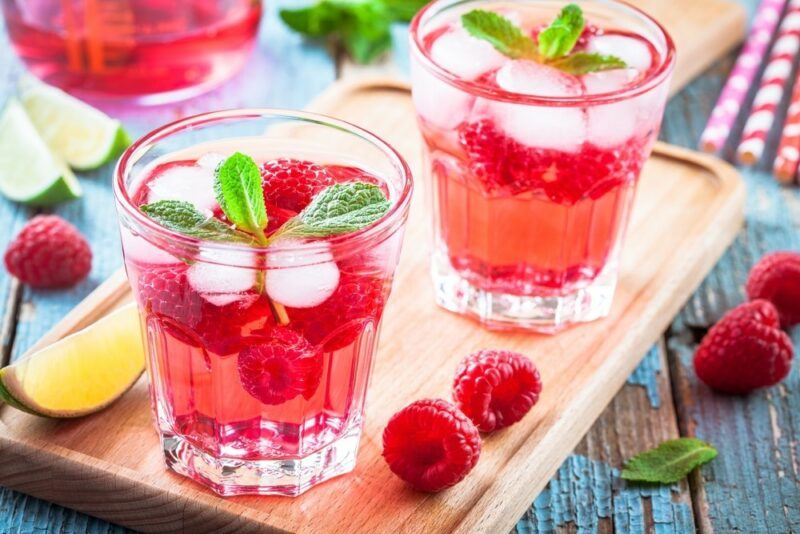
(581,63)
(361,27)
(403,10)
(185,218)
(338,209)
(669,462)
(240,195)
(500,32)
(558,39)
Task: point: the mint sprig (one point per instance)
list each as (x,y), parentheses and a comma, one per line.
(671,461)
(559,38)
(185,218)
(555,45)
(361,27)
(240,194)
(338,209)
(500,32)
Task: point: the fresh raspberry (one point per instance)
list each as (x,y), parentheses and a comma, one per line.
(50,253)
(776,278)
(431,445)
(291,184)
(745,350)
(338,321)
(281,368)
(496,388)
(187,316)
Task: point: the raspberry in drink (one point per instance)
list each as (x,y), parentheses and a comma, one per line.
(261,270)
(535,137)
(150,50)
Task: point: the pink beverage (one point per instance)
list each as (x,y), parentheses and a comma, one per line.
(259,356)
(533,169)
(150,50)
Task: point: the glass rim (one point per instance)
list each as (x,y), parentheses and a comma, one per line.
(470,86)
(141,145)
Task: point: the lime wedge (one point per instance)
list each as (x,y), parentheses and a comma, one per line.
(80,374)
(29,172)
(84,137)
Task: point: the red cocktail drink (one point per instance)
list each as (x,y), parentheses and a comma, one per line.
(533,163)
(260,344)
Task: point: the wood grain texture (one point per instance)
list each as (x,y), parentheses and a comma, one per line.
(582,369)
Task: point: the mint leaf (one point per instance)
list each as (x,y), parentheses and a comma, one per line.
(185,218)
(362,27)
(559,38)
(669,462)
(500,32)
(581,63)
(338,209)
(403,10)
(240,195)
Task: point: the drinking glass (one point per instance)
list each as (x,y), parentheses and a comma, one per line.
(531,174)
(243,404)
(145,50)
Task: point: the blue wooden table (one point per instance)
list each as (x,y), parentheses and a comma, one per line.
(754,484)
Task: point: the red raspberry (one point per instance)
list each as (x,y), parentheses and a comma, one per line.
(338,321)
(49,252)
(187,316)
(496,388)
(431,445)
(284,366)
(291,184)
(776,278)
(745,350)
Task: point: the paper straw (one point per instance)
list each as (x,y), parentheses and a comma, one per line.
(788,157)
(770,92)
(742,75)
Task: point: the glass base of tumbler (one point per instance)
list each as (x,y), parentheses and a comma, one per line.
(291,476)
(502,311)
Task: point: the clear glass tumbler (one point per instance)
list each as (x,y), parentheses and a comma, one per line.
(146,50)
(245,403)
(532,171)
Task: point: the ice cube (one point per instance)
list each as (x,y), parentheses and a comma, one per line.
(191,183)
(295,283)
(464,55)
(632,50)
(611,124)
(141,251)
(210,160)
(436,101)
(220,284)
(539,126)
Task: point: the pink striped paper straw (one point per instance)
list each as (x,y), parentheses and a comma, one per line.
(744,72)
(788,158)
(770,92)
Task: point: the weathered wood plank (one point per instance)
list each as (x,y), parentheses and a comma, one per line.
(285,71)
(587,495)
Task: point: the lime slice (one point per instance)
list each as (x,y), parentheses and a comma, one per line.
(80,374)
(29,172)
(84,137)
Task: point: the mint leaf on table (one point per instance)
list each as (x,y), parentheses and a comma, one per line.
(403,10)
(669,462)
(185,218)
(362,27)
(500,32)
(240,194)
(559,38)
(338,209)
(581,63)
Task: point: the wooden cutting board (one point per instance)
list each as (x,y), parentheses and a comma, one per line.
(688,210)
